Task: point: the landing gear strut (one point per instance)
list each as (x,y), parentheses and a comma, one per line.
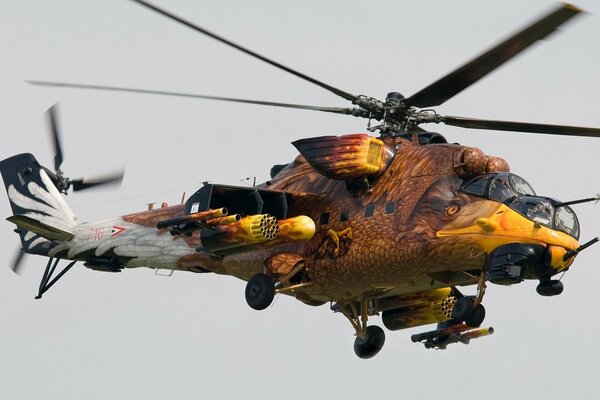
(369,339)
(47,282)
(261,288)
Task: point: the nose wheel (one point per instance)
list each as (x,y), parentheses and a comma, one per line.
(550,287)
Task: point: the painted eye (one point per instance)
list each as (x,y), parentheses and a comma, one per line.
(452,209)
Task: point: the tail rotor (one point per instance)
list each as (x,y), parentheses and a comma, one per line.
(42,216)
(63,183)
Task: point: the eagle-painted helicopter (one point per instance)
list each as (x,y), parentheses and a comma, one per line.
(389,225)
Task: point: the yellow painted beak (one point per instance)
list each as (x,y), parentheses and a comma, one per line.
(504,226)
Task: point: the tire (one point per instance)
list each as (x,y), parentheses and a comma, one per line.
(372,344)
(477,316)
(550,288)
(260,291)
(463,307)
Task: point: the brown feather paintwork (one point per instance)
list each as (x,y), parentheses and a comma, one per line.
(385,251)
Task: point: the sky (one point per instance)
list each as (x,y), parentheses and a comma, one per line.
(134,334)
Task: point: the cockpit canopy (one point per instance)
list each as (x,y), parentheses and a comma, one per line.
(499,187)
(517,194)
(547,212)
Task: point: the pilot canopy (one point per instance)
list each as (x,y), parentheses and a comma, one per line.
(517,194)
(499,187)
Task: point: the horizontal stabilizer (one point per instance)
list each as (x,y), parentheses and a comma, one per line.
(40,228)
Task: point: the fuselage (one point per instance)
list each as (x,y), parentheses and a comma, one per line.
(414,229)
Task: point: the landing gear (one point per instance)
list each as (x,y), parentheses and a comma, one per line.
(371,344)
(550,287)
(260,291)
(369,339)
(261,288)
(47,281)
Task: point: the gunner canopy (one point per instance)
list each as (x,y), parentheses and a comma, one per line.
(517,194)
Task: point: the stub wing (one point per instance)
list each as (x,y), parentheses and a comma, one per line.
(234,219)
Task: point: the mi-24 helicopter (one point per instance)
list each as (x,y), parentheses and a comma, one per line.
(390,225)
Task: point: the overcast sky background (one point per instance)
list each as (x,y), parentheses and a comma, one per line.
(132,335)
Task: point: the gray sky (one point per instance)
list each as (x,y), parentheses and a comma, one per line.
(99,335)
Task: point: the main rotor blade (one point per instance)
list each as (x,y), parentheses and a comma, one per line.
(336,110)
(512,126)
(345,95)
(458,80)
(52,119)
(92,181)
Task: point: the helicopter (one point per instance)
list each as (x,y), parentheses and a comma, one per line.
(391,225)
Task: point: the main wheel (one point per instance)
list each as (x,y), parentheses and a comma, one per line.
(371,344)
(260,291)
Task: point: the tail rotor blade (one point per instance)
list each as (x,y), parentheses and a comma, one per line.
(63,183)
(16,264)
(114,178)
(54,131)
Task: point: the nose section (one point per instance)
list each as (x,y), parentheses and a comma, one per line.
(491,227)
(517,248)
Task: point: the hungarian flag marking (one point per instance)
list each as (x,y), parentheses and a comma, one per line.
(116,230)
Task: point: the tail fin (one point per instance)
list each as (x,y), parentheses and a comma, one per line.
(37,205)
(32,243)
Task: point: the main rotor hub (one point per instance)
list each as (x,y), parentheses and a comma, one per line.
(394,97)
(395,118)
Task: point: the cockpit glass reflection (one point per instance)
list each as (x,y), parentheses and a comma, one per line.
(477,186)
(499,187)
(534,208)
(547,212)
(521,186)
(566,221)
(516,193)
